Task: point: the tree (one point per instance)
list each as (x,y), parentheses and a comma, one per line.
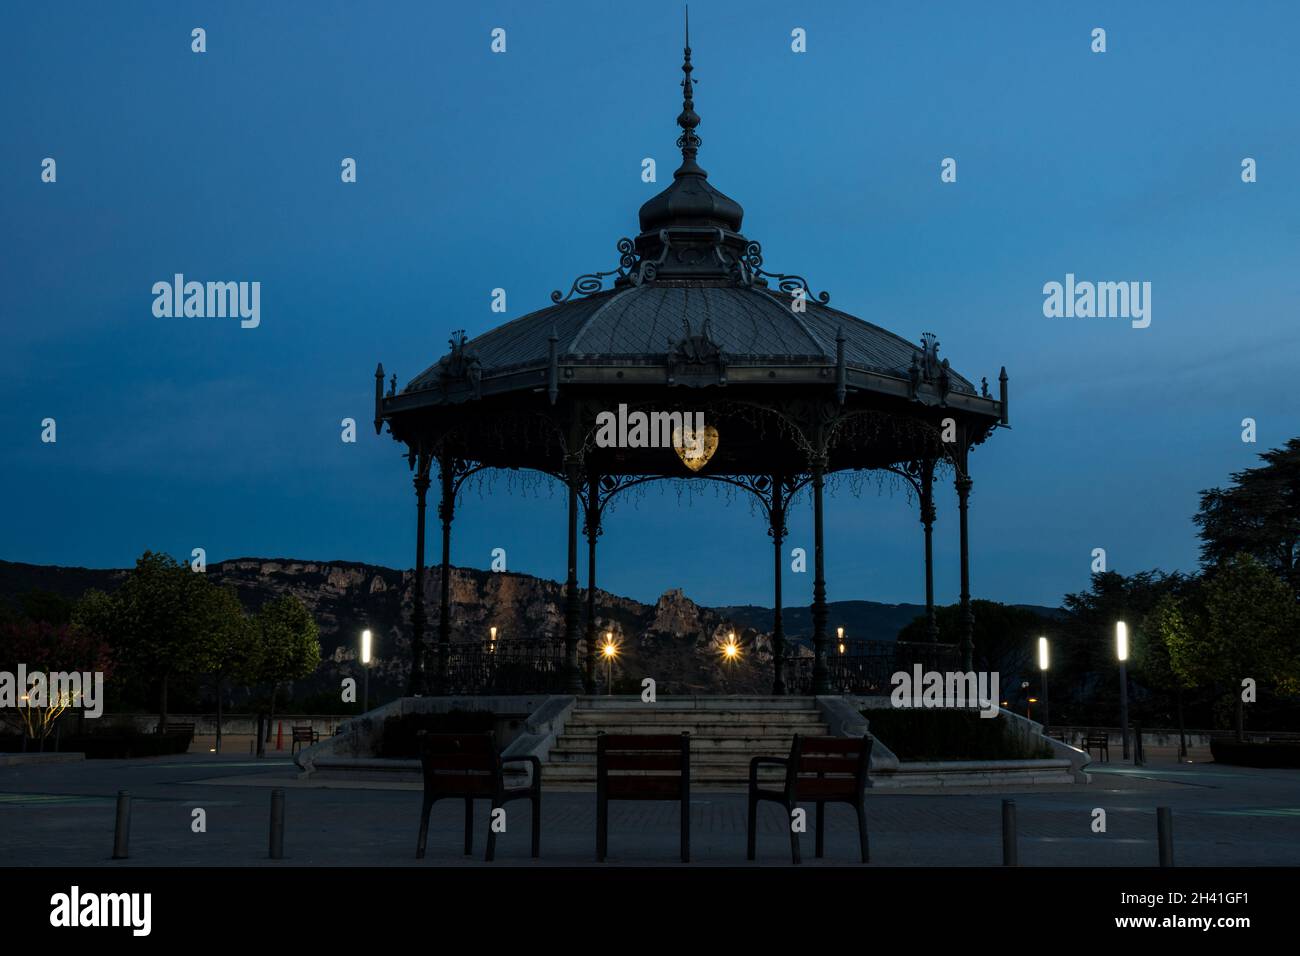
(1169,624)
(50,649)
(229,642)
(1258,515)
(288,644)
(159,621)
(1004,637)
(1087,634)
(1249,629)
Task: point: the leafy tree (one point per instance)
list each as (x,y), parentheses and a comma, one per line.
(1171,623)
(159,621)
(288,643)
(229,642)
(1249,628)
(1005,637)
(1258,515)
(49,648)
(1086,646)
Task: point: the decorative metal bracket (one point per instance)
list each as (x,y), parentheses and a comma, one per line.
(750,268)
(631,269)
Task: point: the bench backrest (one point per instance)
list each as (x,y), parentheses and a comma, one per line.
(828,764)
(648,764)
(178,730)
(460,764)
(302,730)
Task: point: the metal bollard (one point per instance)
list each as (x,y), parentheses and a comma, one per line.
(277,824)
(122,831)
(1165,835)
(1139,755)
(1010,856)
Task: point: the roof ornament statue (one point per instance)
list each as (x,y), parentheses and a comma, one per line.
(460,363)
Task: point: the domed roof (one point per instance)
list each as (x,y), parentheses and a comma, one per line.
(691,304)
(645,325)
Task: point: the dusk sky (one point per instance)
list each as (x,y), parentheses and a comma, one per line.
(521,170)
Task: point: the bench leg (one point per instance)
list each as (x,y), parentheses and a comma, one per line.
(424,828)
(602,828)
(862,831)
(686,828)
(794,837)
(751,843)
(469,825)
(821,821)
(491,853)
(536,801)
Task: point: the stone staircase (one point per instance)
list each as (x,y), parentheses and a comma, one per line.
(725,734)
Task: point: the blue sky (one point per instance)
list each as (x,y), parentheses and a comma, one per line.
(521,170)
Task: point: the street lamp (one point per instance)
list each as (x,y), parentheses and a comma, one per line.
(1043,661)
(365,666)
(840,632)
(1121,652)
(610,650)
(731,650)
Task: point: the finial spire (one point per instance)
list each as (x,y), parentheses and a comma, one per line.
(688,141)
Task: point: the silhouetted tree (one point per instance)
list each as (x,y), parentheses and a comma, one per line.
(1258,515)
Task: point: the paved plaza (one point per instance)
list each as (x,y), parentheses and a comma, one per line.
(62,814)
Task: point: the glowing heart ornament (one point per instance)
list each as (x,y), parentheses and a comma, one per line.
(695,446)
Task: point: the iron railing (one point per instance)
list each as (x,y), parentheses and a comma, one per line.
(505,667)
(865,667)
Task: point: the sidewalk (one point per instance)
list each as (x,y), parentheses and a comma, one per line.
(63,814)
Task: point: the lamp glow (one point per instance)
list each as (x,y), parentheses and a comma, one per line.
(1121,640)
(365,647)
(731,650)
(1042,654)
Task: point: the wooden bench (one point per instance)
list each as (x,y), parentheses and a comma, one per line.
(645,767)
(821,769)
(1099,740)
(304,734)
(177,730)
(469,766)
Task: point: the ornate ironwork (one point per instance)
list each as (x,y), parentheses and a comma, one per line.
(750,268)
(461,363)
(866,667)
(632,269)
(505,667)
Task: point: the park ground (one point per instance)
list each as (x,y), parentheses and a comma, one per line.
(62,814)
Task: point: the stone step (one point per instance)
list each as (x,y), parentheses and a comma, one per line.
(761,732)
(563,754)
(775,744)
(719,704)
(688,719)
(701,773)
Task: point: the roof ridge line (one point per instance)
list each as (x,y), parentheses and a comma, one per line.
(826,353)
(586,324)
